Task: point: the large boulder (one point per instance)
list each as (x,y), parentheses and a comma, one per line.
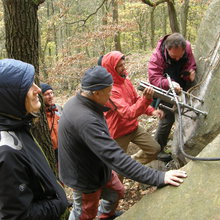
(196,199)
(198,133)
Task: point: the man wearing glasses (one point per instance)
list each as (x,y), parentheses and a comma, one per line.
(53,112)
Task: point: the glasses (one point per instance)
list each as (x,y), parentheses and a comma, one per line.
(48,94)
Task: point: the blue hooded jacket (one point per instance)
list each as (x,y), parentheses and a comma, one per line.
(16,78)
(28,187)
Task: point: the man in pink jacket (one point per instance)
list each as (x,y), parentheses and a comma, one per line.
(173,56)
(126,106)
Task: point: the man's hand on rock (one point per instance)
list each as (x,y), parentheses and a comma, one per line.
(174,177)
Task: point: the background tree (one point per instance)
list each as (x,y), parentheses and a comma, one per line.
(117,39)
(184,16)
(174,25)
(152,25)
(73,34)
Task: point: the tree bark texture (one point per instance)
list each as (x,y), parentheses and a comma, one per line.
(22,43)
(174,25)
(152,28)
(164,20)
(21,29)
(104,23)
(184,17)
(115,21)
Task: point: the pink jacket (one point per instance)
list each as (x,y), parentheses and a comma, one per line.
(124,102)
(157,65)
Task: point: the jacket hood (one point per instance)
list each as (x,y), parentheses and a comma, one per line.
(162,40)
(161,46)
(16,78)
(110,61)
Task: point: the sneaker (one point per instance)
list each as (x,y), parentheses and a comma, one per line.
(117,214)
(163,156)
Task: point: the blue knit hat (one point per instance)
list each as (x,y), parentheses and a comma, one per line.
(45,87)
(96,78)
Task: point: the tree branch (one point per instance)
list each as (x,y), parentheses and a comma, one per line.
(38,2)
(153,4)
(86,19)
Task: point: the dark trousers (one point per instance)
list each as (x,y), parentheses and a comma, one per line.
(164,126)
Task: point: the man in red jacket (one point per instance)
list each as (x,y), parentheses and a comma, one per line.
(173,56)
(126,106)
(53,112)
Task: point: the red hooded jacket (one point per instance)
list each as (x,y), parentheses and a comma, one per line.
(126,105)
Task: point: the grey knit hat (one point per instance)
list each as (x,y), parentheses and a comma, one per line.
(96,78)
(45,87)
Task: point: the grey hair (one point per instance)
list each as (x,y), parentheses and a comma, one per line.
(175,40)
(86,92)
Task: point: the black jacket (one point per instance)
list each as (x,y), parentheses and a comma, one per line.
(28,188)
(87,153)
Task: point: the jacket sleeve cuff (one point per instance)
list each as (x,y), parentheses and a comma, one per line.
(149,110)
(161,180)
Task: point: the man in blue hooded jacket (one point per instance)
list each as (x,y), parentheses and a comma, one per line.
(28,188)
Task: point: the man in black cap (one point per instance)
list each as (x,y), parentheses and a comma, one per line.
(88,154)
(53,112)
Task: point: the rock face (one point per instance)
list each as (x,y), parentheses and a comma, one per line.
(196,199)
(198,133)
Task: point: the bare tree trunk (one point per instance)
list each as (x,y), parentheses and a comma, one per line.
(184,17)
(54,31)
(21,29)
(152,28)
(42,48)
(174,25)
(22,43)
(164,21)
(115,21)
(104,23)
(173,17)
